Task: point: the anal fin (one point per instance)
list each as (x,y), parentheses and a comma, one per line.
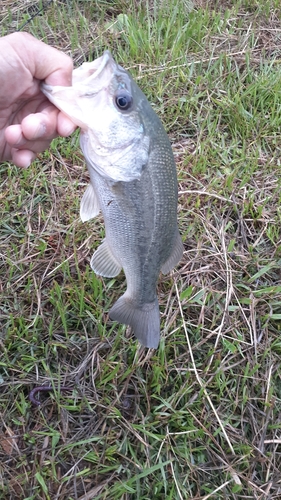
(175,256)
(89,207)
(104,263)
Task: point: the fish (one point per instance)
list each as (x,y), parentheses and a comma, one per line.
(133,182)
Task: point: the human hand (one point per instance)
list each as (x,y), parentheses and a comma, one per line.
(28,121)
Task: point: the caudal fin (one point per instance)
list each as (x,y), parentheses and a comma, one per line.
(144,320)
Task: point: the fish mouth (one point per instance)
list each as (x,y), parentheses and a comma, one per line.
(105,59)
(90,71)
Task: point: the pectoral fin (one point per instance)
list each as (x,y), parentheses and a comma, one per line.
(175,256)
(104,263)
(89,207)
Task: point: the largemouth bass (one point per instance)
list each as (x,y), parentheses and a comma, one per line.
(133,183)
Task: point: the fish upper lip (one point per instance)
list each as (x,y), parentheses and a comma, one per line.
(105,58)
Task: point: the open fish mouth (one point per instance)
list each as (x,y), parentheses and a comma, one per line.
(90,71)
(85,78)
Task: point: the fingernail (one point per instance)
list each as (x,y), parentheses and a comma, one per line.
(67,129)
(40,132)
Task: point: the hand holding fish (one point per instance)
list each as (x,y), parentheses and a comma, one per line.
(28,122)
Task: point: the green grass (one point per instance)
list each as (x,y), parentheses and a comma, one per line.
(198,418)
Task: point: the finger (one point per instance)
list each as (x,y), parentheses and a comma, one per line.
(65,126)
(13,135)
(35,133)
(34,127)
(46,125)
(22,157)
(41,125)
(24,151)
(45,62)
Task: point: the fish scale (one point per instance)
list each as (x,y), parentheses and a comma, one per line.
(133,182)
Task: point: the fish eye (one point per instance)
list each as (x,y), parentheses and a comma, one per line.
(123,101)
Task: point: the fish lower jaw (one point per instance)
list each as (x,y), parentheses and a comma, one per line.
(105,151)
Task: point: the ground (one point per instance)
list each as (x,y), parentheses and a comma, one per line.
(199,417)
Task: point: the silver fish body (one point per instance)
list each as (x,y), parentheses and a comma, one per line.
(133,182)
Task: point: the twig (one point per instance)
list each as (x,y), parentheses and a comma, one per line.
(34,15)
(206,193)
(197,375)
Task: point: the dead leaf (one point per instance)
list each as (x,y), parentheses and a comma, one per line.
(9,443)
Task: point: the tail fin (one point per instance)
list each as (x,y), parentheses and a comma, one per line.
(144,320)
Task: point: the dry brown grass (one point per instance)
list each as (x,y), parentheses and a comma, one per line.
(200,417)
